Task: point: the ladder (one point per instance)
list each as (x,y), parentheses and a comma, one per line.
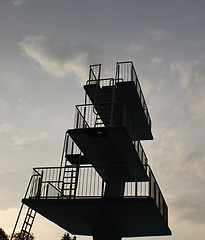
(27,224)
(70,179)
(105,106)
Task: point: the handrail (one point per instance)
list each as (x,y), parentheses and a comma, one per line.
(97,166)
(85,124)
(92,73)
(30,181)
(111,114)
(88,118)
(55,188)
(141,152)
(131,75)
(92,183)
(125,72)
(101,82)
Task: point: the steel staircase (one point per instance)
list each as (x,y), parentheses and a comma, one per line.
(27,224)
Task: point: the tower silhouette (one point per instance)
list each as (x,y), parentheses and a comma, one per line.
(104,186)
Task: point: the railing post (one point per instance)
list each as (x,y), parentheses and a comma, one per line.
(84,116)
(103,182)
(38,194)
(47,186)
(62,189)
(72,147)
(117,72)
(77,120)
(66,144)
(131,72)
(90,73)
(150,184)
(135,183)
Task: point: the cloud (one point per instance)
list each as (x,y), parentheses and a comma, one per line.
(192,73)
(20,140)
(5,128)
(4,107)
(58,58)
(10,181)
(156,60)
(178,159)
(158,34)
(192,81)
(133,47)
(190,207)
(8,217)
(19,2)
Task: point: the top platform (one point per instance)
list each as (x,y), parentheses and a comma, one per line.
(125,91)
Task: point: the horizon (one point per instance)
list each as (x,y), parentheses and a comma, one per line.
(46,49)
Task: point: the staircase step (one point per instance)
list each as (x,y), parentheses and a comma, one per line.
(29,224)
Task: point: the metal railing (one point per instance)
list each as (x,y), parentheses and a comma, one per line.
(125,71)
(108,114)
(95,71)
(114,116)
(103,82)
(70,148)
(141,153)
(93,183)
(46,182)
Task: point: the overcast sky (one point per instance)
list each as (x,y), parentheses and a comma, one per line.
(46,47)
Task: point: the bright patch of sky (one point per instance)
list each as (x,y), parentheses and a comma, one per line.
(46,48)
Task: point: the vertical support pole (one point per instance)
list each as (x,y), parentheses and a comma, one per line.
(38,194)
(135,183)
(77,120)
(47,186)
(103,182)
(62,189)
(72,148)
(84,117)
(150,185)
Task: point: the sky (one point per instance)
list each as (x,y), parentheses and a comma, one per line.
(46,47)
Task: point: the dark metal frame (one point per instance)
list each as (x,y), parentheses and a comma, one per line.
(125,72)
(45,184)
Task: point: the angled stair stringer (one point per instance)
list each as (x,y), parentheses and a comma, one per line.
(26,226)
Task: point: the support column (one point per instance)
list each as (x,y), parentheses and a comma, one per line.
(106,235)
(115,182)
